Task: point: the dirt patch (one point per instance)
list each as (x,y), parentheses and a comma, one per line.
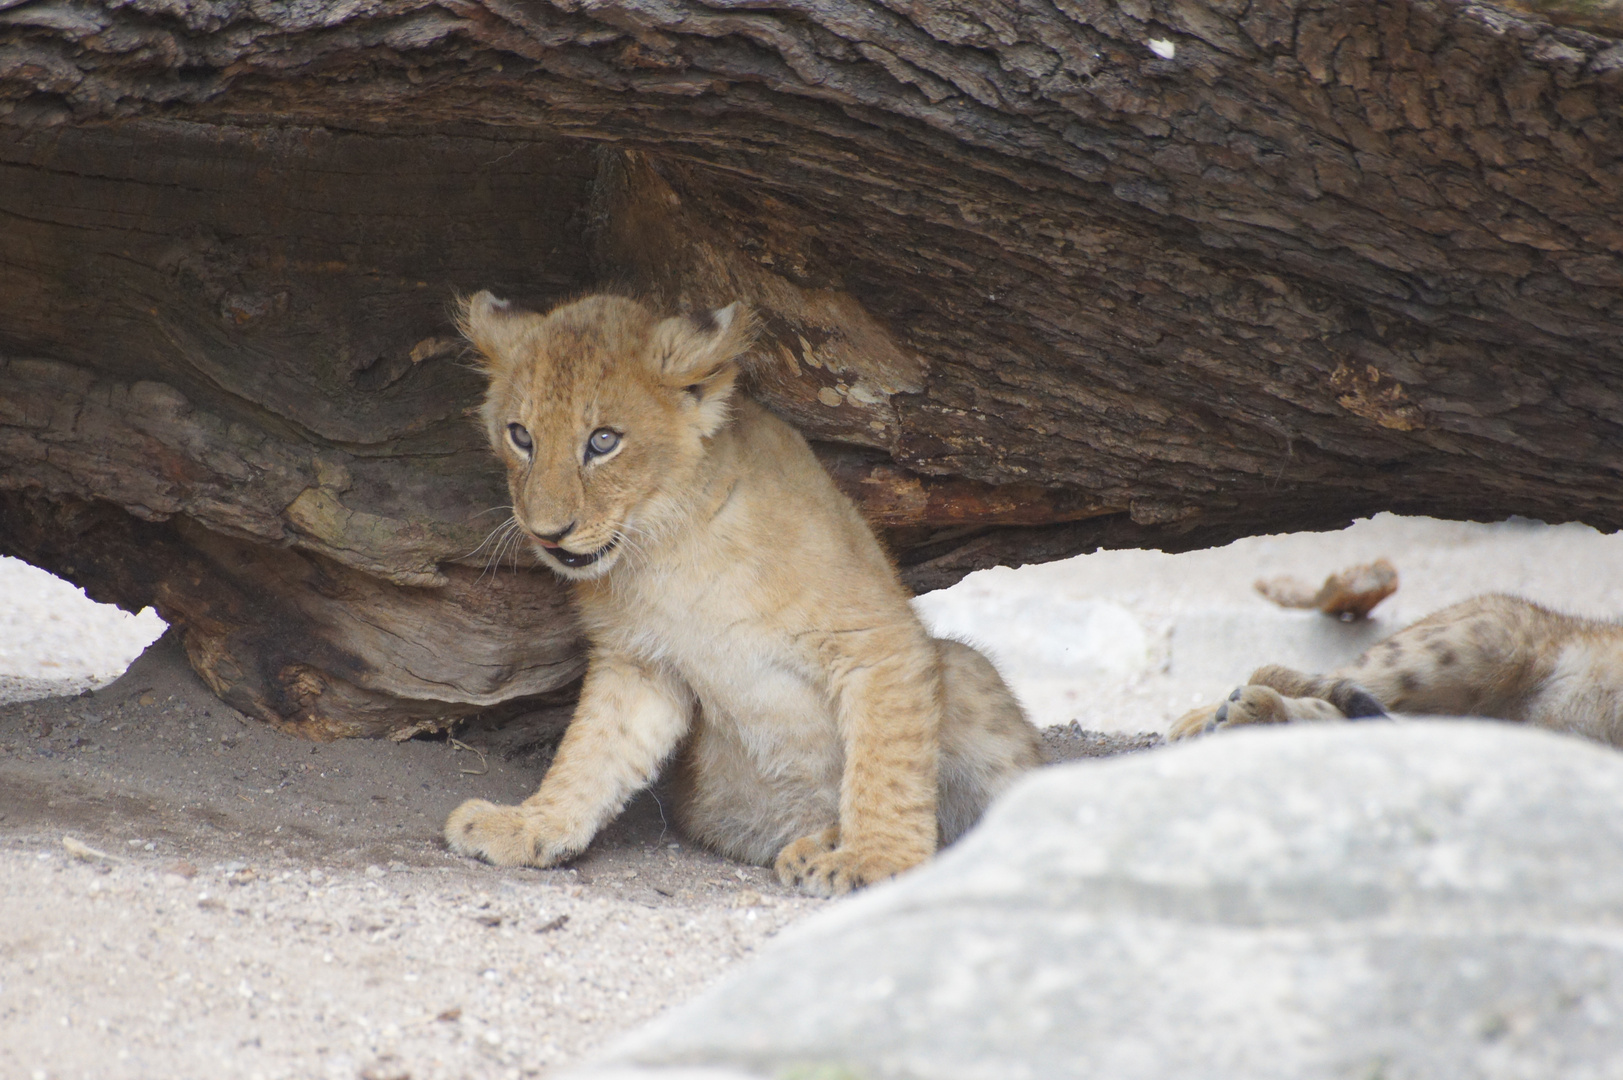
(1072,742)
(272,907)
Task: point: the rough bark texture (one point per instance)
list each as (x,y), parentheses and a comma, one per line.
(1037,276)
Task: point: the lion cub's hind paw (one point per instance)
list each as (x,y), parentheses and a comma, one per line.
(496,834)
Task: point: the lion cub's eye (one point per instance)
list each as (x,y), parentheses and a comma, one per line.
(602,441)
(521,437)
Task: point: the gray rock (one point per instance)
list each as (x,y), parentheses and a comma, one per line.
(1380,900)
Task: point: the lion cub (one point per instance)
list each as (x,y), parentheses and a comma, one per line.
(743,619)
(1494,656)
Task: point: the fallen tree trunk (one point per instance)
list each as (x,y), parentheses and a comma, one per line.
(1036,278)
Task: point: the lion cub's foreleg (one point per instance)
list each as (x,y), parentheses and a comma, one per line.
(629,719)
(889,714)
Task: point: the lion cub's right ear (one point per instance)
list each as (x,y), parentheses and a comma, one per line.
(492,326)
(697,354)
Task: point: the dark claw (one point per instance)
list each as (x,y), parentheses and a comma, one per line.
(1361,705)
(1221,716)
(1238,690)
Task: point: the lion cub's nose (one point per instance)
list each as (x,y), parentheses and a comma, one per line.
(554,539)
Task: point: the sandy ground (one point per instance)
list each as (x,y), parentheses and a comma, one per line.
(263,907)
(273,908)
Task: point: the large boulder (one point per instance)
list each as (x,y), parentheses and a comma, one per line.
(1437,899)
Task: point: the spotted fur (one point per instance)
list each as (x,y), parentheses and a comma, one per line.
(1493,656)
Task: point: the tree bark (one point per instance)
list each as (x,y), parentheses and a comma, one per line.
(1036,276)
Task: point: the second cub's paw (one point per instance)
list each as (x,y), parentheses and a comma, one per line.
(1192,723)
(1251,704)
(503,835)
(806,863)
(1247,705)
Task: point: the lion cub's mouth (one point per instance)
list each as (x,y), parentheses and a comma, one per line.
(576,561)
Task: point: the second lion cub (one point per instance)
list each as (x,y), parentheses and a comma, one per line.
(743,620)
(1492,656)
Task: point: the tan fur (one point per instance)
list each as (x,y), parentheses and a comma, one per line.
(1492,656)
(744,623)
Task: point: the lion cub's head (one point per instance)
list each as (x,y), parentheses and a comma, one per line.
(599,410)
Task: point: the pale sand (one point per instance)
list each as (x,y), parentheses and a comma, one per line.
(277,909)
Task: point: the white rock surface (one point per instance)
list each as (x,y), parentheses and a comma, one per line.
(1050,644)
(56,641)
(1440,899)
(1224,645)
(1205,629)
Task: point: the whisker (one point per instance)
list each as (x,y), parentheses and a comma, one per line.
(503,533)
(510,545)
(488,536)
(517,548)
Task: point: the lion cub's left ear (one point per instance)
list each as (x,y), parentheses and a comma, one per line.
(698,354)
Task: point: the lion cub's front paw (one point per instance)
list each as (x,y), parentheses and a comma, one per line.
(813,865)
(796,856)
(504,835)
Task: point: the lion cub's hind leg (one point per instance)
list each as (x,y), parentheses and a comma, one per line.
(987,743)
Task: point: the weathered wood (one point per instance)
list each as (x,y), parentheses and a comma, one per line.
(315,647)
(1036,276)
